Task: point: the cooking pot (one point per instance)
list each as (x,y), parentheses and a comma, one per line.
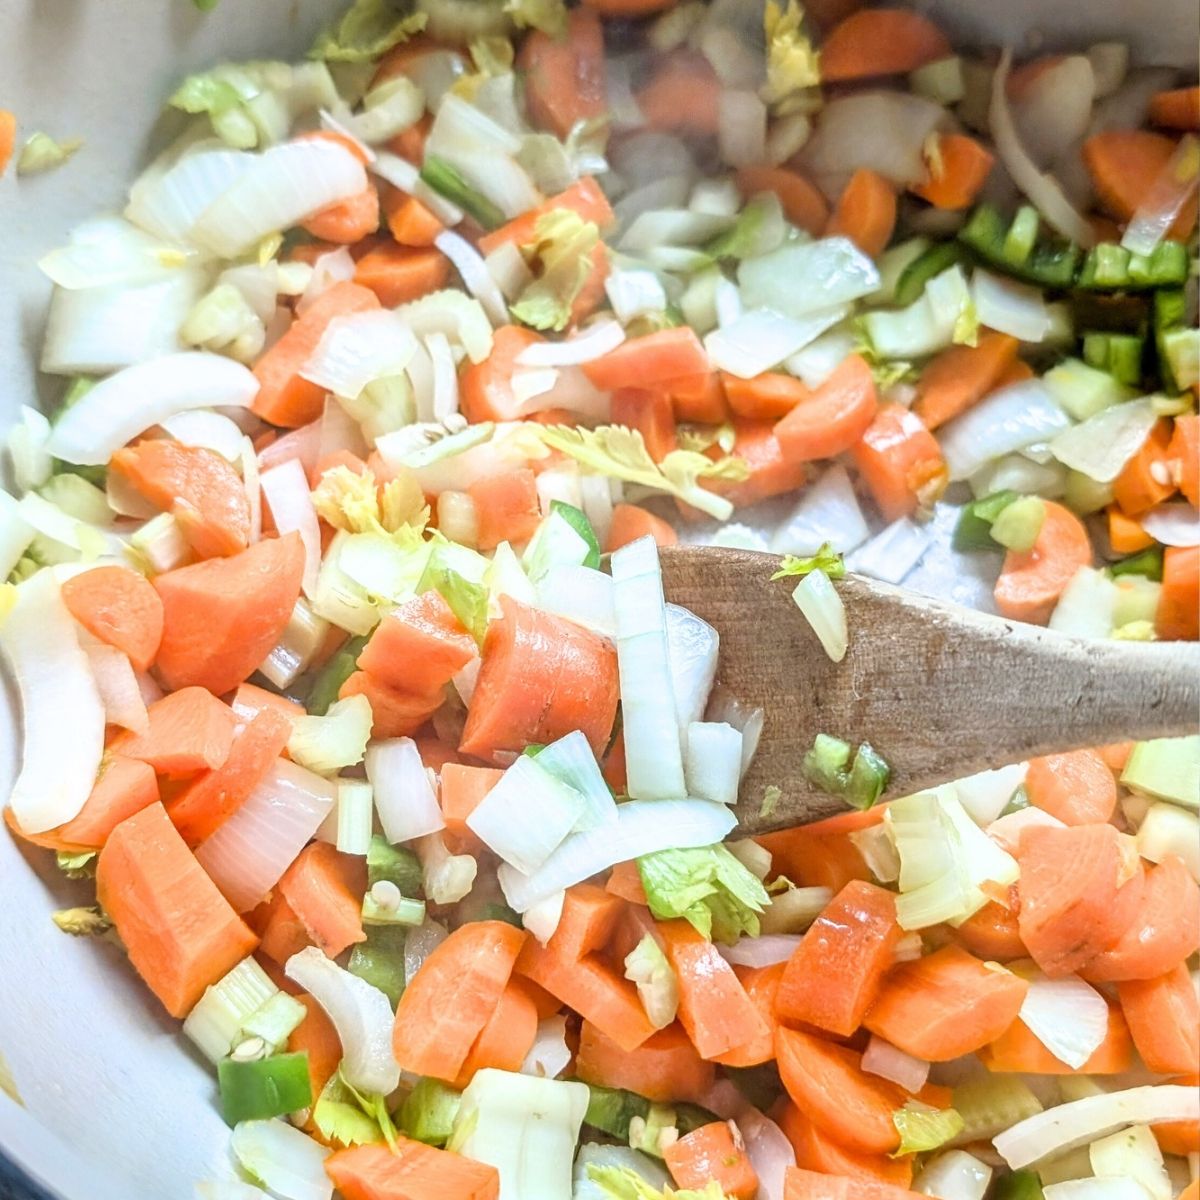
(114,1105)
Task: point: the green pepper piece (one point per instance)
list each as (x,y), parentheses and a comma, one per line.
(1148,562)
(394,864)
(974,528)
(1120,354)
(263,1088)
(922,269)
(611,1109)
(1020,1185)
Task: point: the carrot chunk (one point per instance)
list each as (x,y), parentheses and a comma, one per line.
(1125,164)
(802,202)
(190,730)
(398,274)
(487,387)
(958,378)
(664,1068)
(654,358)
(1017,1050)
(1031,581)
(959,169)
(817,1151)
(324,889)
(880,41)
(119,607)
(1164,1019)
(565,77)
(710,1155)
(507,1037)
(418,646)
(395,712)
(409,1170)
(630,522)
(1078,788)
(506,508)
(865,212)
(900,462)
(1178,615)
(833,419)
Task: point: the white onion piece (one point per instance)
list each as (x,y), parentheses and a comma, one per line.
(303,444)
(541,919)
(120,407)
(445,376)
(741,128)
(250,852)
(723,705)
(769,1151)
(1042,190)
(362,1015)
(469,263)
(890,555)
(581,595)
(331,124)
(571,760)
(403,794)
(654,761)
(667,190)
(643,827)
(59,697)
(286,490)
(419,944)
(250,481)
(890,1062)
(594,342)
(549,1056)
(834,270)
(1006,831)
(529,385)
(1063,1128)
(1068,1016)
(358,348)
(829,512)
(1165,199)
(763,951)
(169,203)
(1101,446)
(822,608)
(634,292)
(761,339)
(954,1175)
(337,266)
(1010,307)
(406,178)
(206,429)
(289,1163)
(339,431)
(692,649)
(509,271)
(1175,523)
(108,250)
(1007,420)
(986,795)
(712,761)
(278,189)
(817,361)
(1055,109)
(116,683)
(575,392)
(659,227)
(15,534)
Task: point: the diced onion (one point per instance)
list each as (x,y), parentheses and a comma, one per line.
(249,853)
(445,376)
(336,266)
(357,349)
(761,339)
(892,554)
(954,1175)
(289,1163)
(419,943)
(817,599)
(741,128)
(713,761)
(835,272)
(1176,523)
(769,1151)
(403,794)
(890,1062)
(635,292)
(169,202)
(470,265)
(581,595)
(1010,307)
(594,342)
(1069,1017)
(549,1056)
(117,684)
(827,512)
(986,795)
(1165,199)
(209,430)
(58,696)
(1101,446)
(15,534)
(763,951)
(286,490)
(541,919)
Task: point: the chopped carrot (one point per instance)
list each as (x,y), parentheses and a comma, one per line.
(664,1068)
(180,933)
(585,198)
(827,1084)
(486,387)
(1125,533)
(1181,1137)
(880,41)
(395,712)
(613,768)
(810,859)
(652,359)
(958,378)
(249,700)
(1164,1019)
(811,1185)
(324,889)
(317,1037)
(508,1036)
(1017,1050)
(817,1151)
(1116,754)
(1165,933)
(190,730)
(398,274)
(408,1170)
(209,800)
(565,77)
(348,221)
(683,95)
(766,397)
(410,143)
(834,418)
(281,933)
(865,212)
(959,168)
(1145,480)
(8,137)
(542,677)
(699,397)
(630,522)
(462,790)
(761,985)
(589,920)
(1076,787)
(284,396)
(419,646)
(710,1155)
(1178,615)
(833,976)
(771,473)
(448,1002)
(713,1005)
(651,414)
(119,607)
(1081,888)
(1125,164)
(946,1004)
(408,220)
(506,508)
(992,933)
(1031,581)
(802,202)
(1183,454)
(1178,108)
(900,461)
(545,1004)
(221,617)
(625,881)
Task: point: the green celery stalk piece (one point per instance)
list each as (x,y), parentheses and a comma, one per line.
(445,180)
(428,1113)
(1168,768)
(1022,234)
(263,1088)
(380,960)
(406,912)
(974,528)
(324,688)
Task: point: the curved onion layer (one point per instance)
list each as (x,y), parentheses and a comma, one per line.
(286,490)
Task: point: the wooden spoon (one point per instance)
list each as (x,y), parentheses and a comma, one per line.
(940,691)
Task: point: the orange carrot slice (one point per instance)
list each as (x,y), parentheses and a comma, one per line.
(119,607)
(958,378)
(1016,1050)
(418,646)
(817,1151)
(324,889)
(710,1155)
(506,508)
(900,461)
(664,1068)
(1078,788)
(767,397)
(802,202)
(865,212)
(408,1170)
(880,41)
(1178,108)
(1031,581)
(1164,1019)
(1178,615)
(836,416)
(651,413)
(1124,165)
(959,169)
(190,730)
(565,77)
(398,274)
(630,522)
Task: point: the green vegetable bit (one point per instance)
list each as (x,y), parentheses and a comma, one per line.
(1120,354)
(974,528)
(578,521)
(262,1088)
(859,781)
(393,864)
(428,1113)
(1148,562)
(1110,267)
(446,181)
(380,960)
(612,1109)
(1046,262)
(1020,1185)
(325,685)
(1022,234)
(826,559)
(911,284)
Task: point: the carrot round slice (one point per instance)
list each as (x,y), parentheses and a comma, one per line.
(565,76)
(899,461)
(508,1036)
(865,212)
(1031,581)
(817,1151)
(1078,788)
(1125,164)
(833,419)
(802,201)
(664,1068)
(1017,1050)
(1164,1019)
(881,41)
(118,606)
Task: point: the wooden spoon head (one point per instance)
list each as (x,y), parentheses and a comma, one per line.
(939,691)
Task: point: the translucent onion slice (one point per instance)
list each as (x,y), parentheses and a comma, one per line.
(286,490)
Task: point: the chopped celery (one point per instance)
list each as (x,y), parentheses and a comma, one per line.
(501,912)
(1110,267)
(275,1020)
(325,685)
(826,559)
(446,181)
(647,1134)
(263,1088)
(1050,263)
(338,1117)
(336,740)
(689,1117)
(922,1127)
(1148,562)
(1019,523)
(1179,357)
(1170,308)
(991,1103)
(384,905)
(1136,601)
(1167,829)
(860,782)
(578,521)
(1084,391)
(428,1113)
(449,572)
(1168,768)
(380,960)
(1022,234)
(931,261)
(393,864)
(974,528)
(222,1013)
(612,1109)
(1083,495)
(1118,354)
(708,887)
(1020,1185)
